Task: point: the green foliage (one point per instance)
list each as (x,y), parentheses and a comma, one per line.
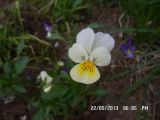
(142,115)
(56,36)
(13,62)
(145,14)
(65,96)
(57,91)
(107,2)
(19,88)
(20,47)
(67,8)
(144,11)
(21,63)
(100,92)
(145,80)
(40,115)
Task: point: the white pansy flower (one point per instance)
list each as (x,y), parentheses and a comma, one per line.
(45,77)
(90,50)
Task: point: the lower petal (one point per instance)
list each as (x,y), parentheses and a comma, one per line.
(84,74)
(47,88)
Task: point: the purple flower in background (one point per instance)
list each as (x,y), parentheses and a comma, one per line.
(48,29)
(128,48)
(30,77)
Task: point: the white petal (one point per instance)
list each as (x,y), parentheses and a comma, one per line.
(47,88)
(86,38)
(100,56)
(45,77)
(77,53)
(103,40)
(48,35)
(60,63)
(78,74)
(49,79)
(42,75)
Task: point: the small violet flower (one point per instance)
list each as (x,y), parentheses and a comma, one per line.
(65,69)
(48,29)
(128,48)
(30,77)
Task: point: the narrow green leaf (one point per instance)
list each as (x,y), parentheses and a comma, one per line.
(40,115)
(21,63)
(7,68)
(77,3)
(56,91)
(97,25)
(100,92)
(147,79)
(56,36)
(19,88)
(20,47)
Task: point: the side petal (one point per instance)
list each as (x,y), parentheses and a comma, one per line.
(101,56)
(103,40)
(81,75)
(77,53)
(42,75)
(47,88)
(49,79)
(86,38)
(124,48)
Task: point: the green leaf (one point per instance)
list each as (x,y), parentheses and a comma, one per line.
(100,92)
(21,63)
(97,25)
(77,3)
(55,92)
(64,75)
(20,47)
(19,88)
(7,68)
(56,36)
(116,29)
(40,115)
(32,37)
(147,79)
(1,63)
(140,30)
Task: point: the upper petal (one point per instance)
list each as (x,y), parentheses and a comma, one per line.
(101,56)
(49,79)
(42,75)
(45,77)
(103,40)
(86,38)
(77,53)
(83,75)
(124,48)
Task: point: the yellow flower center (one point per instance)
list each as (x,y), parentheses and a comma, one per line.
(129,52)
(87,67)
